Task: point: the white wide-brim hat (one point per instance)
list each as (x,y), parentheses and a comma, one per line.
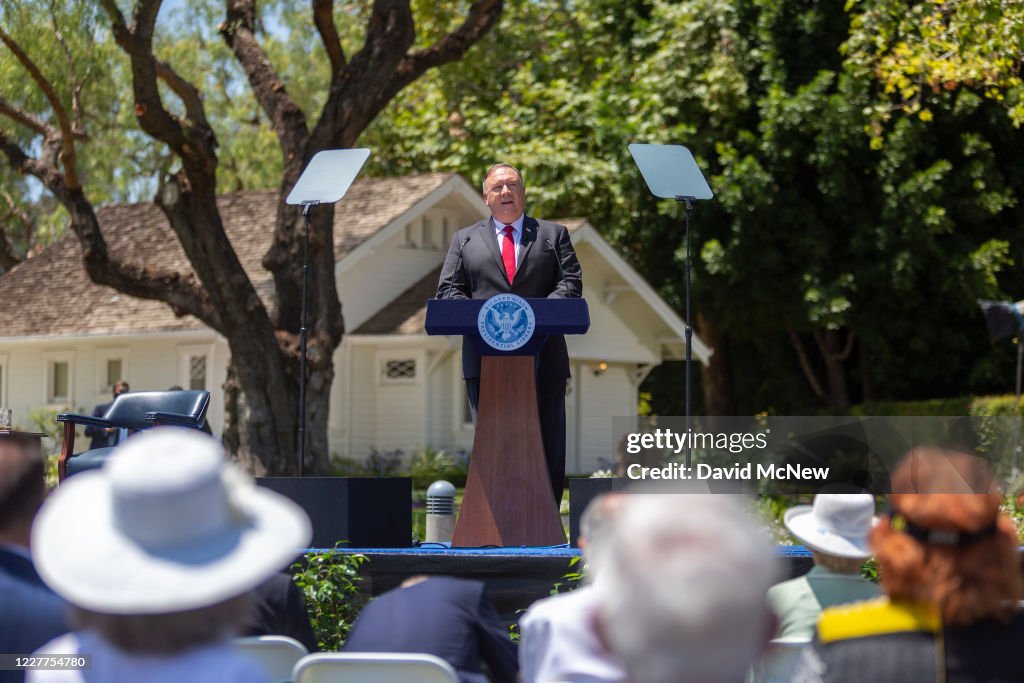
(168,525)
(836,524)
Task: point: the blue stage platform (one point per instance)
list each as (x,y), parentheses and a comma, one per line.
(515,577)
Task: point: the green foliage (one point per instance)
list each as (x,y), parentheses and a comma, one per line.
(870,570)
(572,579)
(428,465)
(45,421)
(384,463)
(332,586)
(376,464)
(921,49)
(960,405)
(812,229)
(771,509)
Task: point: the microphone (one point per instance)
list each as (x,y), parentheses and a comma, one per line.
(558,262)
(458,264)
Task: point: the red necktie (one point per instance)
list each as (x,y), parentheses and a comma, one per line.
(508,253)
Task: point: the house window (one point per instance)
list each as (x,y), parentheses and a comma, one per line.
(194,366)
(59,378)
(114,371)
(58,382)
(446,229)
(426,234)
(398,369)
(408,238)
(3,381)
(111,368)
(197,372)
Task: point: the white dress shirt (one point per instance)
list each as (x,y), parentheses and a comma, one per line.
(517,233)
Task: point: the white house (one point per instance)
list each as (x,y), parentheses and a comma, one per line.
(64,340)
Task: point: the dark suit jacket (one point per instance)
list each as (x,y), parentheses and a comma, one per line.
(442,616)
(278,609)
(480,274)
(31,615)
(99,436)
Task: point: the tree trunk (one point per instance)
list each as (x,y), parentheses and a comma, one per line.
(834,351)
(719,396)
(835,369)
(261,410)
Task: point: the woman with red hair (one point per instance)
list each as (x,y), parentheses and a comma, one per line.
(950,571)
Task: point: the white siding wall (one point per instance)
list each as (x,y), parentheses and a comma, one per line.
(363,407)
(148,364)
(396,265)
(601,398)
(440,400)
(337,418)
(608,339)
(400,419)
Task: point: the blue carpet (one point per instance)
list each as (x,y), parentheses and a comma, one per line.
(438,550)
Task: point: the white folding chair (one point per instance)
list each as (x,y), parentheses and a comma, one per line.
(379,667)
(779,660)
(278,655)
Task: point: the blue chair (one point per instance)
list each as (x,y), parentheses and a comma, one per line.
(132,411)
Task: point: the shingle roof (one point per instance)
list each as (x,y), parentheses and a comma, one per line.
(407,313)
(50,295)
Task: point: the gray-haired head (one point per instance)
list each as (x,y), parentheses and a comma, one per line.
(495,167)
(597,525)
(682,598)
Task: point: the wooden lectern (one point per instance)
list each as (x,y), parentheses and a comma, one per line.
(508,501)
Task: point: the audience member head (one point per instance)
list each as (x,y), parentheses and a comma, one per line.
(945,542)
(158,550)
(121,387)
(596,526)
(835,528)
(683,595)
(22,487)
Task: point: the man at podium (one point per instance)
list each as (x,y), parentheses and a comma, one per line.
(511,252)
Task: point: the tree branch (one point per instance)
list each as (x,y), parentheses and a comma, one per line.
(24,118)
(482,15)
(76,85)
(323,18)
(67,141)
(287,120)
(181,292)
(188,93)
(805,364)
(137,42)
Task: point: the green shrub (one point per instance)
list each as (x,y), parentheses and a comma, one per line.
(45,421)
(428,465)
(996,405)
(331,584)
(384,463)
(959,405)
(347,467)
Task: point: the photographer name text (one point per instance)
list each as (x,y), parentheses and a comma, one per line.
(748,472)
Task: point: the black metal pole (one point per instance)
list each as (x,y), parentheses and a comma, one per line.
(302,341)
(1020,350)
(688,266)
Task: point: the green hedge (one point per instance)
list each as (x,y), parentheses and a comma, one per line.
(961,405)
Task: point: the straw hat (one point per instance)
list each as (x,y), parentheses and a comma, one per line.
(836,524)
(168,525)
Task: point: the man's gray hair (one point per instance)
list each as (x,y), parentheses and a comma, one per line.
(494,168)
(682,598)
(597,525)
